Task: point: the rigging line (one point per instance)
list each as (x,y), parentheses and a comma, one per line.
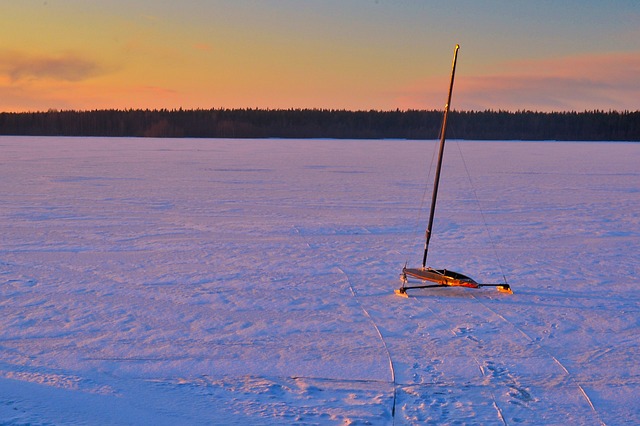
(484,219)
(384,343)
(424,197)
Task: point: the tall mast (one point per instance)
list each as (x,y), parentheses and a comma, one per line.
(439,166)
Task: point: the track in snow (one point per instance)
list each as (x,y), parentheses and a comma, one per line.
(200,276)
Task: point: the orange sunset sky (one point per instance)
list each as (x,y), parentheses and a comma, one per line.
(342,54)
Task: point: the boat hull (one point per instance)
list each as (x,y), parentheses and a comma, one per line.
(440,276)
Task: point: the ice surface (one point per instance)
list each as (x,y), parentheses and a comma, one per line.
(148,281)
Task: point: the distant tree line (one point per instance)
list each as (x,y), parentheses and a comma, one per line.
(323,123)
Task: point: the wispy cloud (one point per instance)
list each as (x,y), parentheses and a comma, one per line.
(582,82)
(68,67)
(586,82)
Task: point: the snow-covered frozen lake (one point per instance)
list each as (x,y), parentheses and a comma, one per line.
(176,281)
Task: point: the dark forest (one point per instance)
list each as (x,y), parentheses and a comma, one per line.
(321,123)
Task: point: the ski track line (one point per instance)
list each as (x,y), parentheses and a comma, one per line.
(556,360)
(375,326)
(493,396)
(297,231)
(384,343)
(475,359)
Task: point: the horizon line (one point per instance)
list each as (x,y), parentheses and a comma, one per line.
(294,109)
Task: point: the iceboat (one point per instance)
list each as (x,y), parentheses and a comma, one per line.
(440,277)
